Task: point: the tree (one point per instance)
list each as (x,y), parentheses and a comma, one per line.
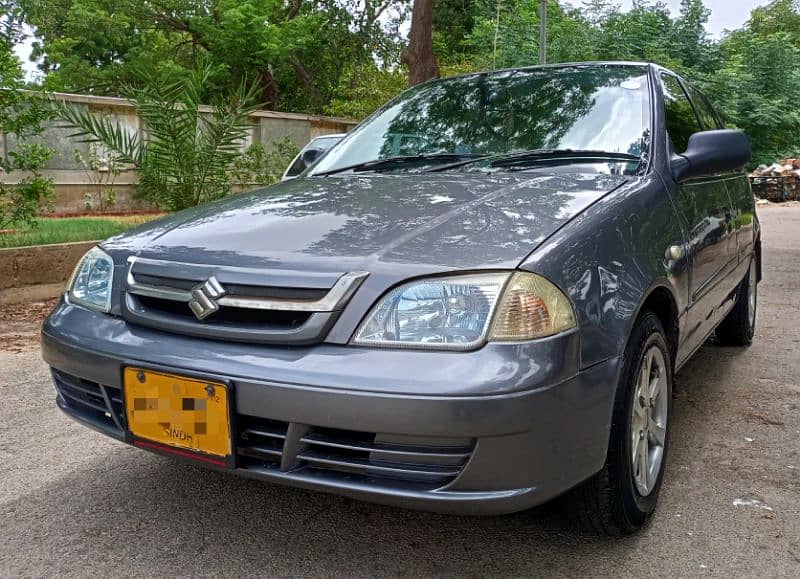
(744,73)
(21,116)
(418,55)
(570,37)
(453,22)
(362,89)
(597,11)
(754,92)
(689,42)
(297,51)
(344,57)
(777,16)
(750,85)
(638,34)
(185,156)
(506,33)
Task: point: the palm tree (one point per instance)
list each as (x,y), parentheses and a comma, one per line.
(185,149)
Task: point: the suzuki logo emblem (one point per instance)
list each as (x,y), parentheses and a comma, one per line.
(203,302)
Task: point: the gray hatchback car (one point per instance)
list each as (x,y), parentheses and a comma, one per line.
(474,303)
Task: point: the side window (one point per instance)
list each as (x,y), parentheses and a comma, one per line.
(704,110)
(680,116)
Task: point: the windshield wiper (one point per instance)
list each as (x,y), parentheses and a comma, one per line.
(534,155)
(402,160)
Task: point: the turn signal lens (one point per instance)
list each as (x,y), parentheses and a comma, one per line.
(531,307)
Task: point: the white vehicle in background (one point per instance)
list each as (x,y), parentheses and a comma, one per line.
(310,154)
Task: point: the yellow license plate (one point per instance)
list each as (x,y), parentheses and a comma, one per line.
(178,411)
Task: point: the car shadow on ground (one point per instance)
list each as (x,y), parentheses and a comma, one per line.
(186,519)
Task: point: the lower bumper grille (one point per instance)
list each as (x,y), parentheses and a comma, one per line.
(423,463)
(95,403)
(378,458)
(261,440)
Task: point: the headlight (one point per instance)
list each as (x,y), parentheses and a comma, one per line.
(90,284)
(463,312)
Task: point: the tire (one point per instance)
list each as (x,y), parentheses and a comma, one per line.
(614,502)
(739,325)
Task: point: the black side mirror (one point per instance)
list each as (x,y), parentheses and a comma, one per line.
(310,156)
(712,152)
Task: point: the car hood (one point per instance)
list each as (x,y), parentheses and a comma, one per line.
(409,223)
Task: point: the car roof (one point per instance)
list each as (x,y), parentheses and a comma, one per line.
(560,65)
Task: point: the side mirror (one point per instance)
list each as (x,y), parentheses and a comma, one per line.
(712,152)
(310,156)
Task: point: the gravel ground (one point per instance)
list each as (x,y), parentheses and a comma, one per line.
(75,503)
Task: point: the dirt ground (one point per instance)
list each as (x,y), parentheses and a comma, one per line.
(74,503)
(20,323)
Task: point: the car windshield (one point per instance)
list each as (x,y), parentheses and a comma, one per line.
(579,108)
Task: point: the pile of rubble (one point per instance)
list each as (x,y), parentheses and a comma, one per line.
(778,182)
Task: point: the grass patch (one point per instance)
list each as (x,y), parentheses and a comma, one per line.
(63,230)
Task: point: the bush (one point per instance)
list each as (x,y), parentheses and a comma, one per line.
(259,167)
(102,172)
(185,155)
(21,115)
(21,202)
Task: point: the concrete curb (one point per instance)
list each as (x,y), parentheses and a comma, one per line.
(38,272)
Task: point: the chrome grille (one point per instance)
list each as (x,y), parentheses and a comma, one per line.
(237,304)
(382,459)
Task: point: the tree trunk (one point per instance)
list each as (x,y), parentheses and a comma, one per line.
(419,55)
(313,90)
(268,87)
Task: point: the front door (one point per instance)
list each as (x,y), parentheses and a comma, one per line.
(708,215)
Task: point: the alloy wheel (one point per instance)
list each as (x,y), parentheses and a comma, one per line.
(649,420)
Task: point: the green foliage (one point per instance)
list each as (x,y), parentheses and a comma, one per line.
(507,36)
(21,116)
(779,16)
(638,34)
(297,52)
(506,33)
(341,57)
(757,94)
(451,20)
(259,167)
(185,155)
(22,201)
(85,46)
(363,89)
(496,33)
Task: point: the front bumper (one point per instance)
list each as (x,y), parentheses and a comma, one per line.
(537,425)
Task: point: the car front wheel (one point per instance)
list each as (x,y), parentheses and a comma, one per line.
(623,495)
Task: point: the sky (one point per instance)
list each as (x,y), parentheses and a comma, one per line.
(725,14)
